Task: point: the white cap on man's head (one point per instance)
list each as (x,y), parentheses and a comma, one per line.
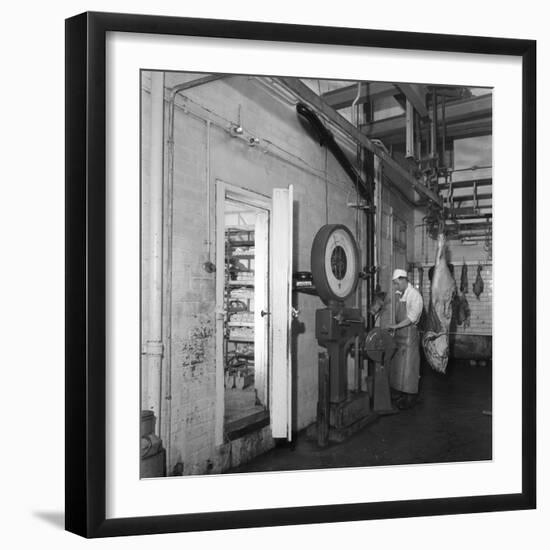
(399,273)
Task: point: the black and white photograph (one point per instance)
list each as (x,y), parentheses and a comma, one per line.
(316,273)
(274,275)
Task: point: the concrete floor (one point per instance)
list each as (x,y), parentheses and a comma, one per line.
(447,425)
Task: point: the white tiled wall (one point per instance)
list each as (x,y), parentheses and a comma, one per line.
(480,309)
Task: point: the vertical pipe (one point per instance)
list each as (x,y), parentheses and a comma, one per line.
(409,130)
(357,365)
(358,118)
(369,175)
(443,133)
(166,382)
(417,138)
(154,346)
(368,172)
(378,176)
(361,118)
(371,264)
(208,199)
(392,267)
(323,405)
(433,126)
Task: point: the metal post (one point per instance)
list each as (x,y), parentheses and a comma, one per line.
(154,345)
(443,133)
(433,127)
(323,406)
(409,130)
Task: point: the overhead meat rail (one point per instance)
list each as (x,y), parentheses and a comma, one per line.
(470,115)
(392,169)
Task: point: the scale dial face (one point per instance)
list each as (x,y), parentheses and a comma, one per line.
(334,262)
(341,263)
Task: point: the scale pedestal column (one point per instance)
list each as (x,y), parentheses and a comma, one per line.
(340,412)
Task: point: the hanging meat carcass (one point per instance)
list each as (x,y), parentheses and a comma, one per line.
(478,285)
(462,307)
(462,310)
(464,279)
(443,288)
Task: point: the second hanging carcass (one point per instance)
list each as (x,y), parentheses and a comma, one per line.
(462,310)
(440,311)
(464,278)
(478,285)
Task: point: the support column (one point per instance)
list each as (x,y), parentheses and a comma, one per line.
(154,346)
(409,130)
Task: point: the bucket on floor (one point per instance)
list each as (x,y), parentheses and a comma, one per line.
(148,421)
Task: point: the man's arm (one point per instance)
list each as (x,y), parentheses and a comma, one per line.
(404,323)
(415,305)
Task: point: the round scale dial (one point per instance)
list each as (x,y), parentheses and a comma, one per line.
(334,262)
(341,263)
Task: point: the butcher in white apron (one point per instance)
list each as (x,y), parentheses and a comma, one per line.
(405,367)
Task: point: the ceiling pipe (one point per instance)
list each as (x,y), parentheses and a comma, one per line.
(326,139)
(433,126)
(443,134)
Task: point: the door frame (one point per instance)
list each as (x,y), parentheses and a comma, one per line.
(228,191)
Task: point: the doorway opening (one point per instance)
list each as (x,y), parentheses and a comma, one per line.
(246,317)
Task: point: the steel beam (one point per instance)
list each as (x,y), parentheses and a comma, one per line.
(474,230)
(465,199)
(470,200)
(466,212)
(469,238)
(392,130)
(344,97)
(467,235)
(470,197)
(416,94)
(472,226)
(470,128)
(391,168)
(473,217)
(475,112)
(466,184)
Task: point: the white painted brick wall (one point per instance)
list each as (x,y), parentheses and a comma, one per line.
(193,357)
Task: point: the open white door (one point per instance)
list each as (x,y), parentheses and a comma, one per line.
(261,305)
(281,308)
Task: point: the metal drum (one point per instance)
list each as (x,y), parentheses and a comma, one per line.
(379,345)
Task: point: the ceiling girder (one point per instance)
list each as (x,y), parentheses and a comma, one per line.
(466,184)
(475,112)
(416,94)
(392,169)
(344,97)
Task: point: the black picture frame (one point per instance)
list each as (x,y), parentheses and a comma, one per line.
(86,273)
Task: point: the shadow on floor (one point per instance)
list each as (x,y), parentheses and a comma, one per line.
(57,519)
(451,423)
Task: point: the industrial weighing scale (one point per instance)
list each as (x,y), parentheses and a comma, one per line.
(341,330)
